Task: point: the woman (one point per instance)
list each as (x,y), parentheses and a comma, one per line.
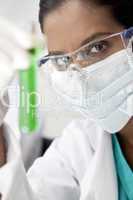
(90,61)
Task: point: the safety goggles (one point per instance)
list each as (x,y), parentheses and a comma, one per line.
(92,52)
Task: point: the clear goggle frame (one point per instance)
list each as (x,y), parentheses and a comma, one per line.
(92,52)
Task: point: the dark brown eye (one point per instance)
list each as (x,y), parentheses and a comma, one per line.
(98,47)
(95,49)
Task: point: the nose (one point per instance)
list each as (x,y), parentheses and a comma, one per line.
(74,67)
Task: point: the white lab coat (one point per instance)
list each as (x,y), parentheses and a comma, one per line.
(79,165)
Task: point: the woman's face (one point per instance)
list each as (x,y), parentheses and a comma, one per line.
(75,24)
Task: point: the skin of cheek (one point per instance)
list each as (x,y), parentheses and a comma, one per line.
(68,26)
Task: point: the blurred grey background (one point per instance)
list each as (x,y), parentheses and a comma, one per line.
(21,12)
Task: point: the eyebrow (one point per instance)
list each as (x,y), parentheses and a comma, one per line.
(91,38)
(95,36)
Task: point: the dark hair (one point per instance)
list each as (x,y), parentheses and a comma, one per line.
(122,9)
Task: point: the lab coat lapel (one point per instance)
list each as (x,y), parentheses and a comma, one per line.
(100,180)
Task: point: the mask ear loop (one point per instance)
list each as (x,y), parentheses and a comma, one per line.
(128,35)
(130,52)
(130,58)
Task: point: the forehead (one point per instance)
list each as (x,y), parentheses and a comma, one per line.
(67,26)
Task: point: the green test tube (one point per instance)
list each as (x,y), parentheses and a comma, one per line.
(28,106)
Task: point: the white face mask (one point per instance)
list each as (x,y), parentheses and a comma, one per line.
(103,91)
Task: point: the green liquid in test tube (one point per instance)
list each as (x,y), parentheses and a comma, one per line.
(28,108)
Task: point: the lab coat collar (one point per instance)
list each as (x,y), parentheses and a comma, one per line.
(100,180)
